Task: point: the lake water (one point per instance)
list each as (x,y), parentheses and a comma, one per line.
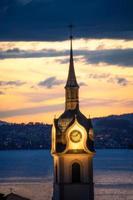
(29,173)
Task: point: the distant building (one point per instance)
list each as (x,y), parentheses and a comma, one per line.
(72,146)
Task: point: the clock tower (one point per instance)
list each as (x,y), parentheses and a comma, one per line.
(72,146)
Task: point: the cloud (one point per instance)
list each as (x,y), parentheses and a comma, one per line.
(82,84)
(105,102)
(121,57)
(129,103)
(66,60)
(109,78)
(12,83)
(63,61)
(48,19)
(30,110)
(119,80)
(50,82)
(122,81)
(99,76)
(19,53)
(99,102)
(2,93)
(39,97)
(51,108)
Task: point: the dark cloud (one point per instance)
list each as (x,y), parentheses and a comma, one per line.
(48,19)
(109,78)
(50,82)
(82,84)
(63,61)
(121,57)
(119,80)
(12,83)
(2,93)
(66,60)
(18,53)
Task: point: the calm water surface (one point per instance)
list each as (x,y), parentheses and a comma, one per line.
(113,173)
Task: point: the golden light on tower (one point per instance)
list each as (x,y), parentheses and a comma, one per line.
(72,146)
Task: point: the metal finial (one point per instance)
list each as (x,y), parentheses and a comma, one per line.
(71,30)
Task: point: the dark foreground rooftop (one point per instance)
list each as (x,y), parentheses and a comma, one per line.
(12,196)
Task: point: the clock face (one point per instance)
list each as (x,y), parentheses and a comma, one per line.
(75,136)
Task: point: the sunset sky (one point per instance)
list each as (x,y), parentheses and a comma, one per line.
(34,57)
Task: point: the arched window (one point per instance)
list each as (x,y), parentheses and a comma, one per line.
(76,173)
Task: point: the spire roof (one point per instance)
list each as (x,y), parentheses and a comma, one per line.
(71,80)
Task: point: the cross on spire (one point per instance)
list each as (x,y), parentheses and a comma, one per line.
(71,30)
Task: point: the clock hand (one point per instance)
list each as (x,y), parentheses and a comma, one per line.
(75,134)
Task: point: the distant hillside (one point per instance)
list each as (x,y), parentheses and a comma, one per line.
(128,117)
(115,131)
(25,136)
(3,122)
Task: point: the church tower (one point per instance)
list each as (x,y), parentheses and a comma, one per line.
(72,146)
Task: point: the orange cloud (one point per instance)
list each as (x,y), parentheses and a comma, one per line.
(105,89)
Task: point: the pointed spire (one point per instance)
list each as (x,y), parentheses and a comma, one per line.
(71,80)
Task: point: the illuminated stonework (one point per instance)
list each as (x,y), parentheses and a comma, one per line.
(72,147)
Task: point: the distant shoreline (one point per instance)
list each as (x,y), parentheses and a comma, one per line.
(112,132)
